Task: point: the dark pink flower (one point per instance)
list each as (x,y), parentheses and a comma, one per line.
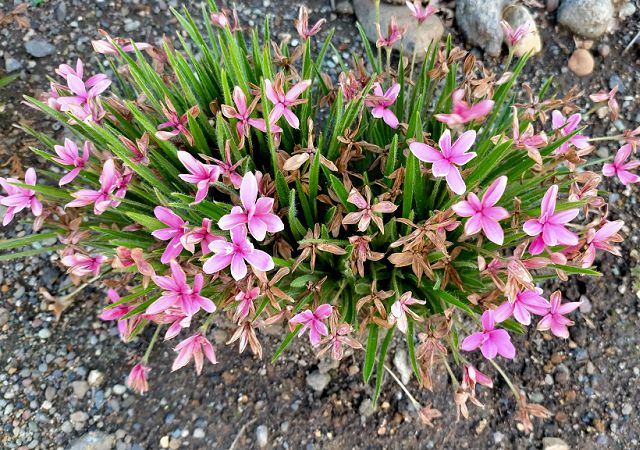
(116,313)
(69,155)
(314,322)
(202,175)
(242,113)
(473,376)
(228,169)
(178,123)
(602,239)
(462,112)
(19,198)
(283,102)
(201,235)
(177,292)
(566,127)
(400,309)
(555,320)
(492,342)
(380,103)
(110,181)
(621,168)
(196,347)
(394,34)
(526,302)
(137,379)
(174,234)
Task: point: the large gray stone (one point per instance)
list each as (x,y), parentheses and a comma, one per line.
(39,48)
(588,18)
(479,20)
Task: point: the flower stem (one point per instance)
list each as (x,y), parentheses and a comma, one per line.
(506,378)
(145,358)
(606,138)
(414,402)
(205,326)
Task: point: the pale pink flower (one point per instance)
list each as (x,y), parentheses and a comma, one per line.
(514,36)
(282,103)
(178,123)
(201,235)
(242,113)
(84,93)
(448,157)
(109,45)
(116,313)
(549,229)
(245,305)
(473,376)
(19,198)
(110,181)
(302,24)
(256,213)
(462,112)
(196,347)
(420,13)
(219,19)
(610,99)
(483,214)
(81,265)
(621,168)
(400,309)
(68,155)
(314,322)
(492,341)
(174,234)
(367,211)
(137,379)
(338,337)
(566,127)
(177,292)
(602,239)
(555,320)
(380,103)
(202,175)
(524,304)
(394,34)
(527,139)
(236,254)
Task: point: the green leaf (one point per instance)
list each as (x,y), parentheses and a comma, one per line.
(151,223)
(381,359)
(412,350)
(285,343)
(575,270)
(26,240)
(370,353)
(35,251)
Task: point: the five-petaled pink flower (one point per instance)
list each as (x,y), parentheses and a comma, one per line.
(566,127)
(110,181)
(462,112)
(420,13)
(514,36)
(314,322)
(394,33)
(245,301)
(602,239)
(201,235)
(400,309)
(610,99)
(484,215)
(492,341)
(448,157)
(202,175)
(196,347)
(109,45)
(228,168)
(256,213)
(526,302)
(174,234)
(555,320)
(380,103)
(137,379)
(83,96)
(236,254)
(367,211)
(549,229)
(302,24)
(177,292)
(178,123)
(81,265)
(282,103)
(242,113)
(116,313)
(621,168)
(69,155)
(19,198)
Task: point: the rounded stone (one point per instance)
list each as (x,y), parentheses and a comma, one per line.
(581,62)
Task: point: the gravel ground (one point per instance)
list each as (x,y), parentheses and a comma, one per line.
(62,384)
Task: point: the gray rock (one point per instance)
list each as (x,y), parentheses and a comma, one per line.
(401,363)
(318,381)
(417,36)
(60,11)
(198,433)
(479,20)
(80,388)
(95,378)
(4,316)
(554,443)
(367,408)
(131,25)
(12,64)
(585,307)
(262,436)
(588,18)
(79,417)
(94,440)
(345,8)
(627,10)
(614,80)
(44,333)
(39,48)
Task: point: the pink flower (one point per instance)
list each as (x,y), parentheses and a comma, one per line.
(219,19)
(380,103)
(139,149)
(621,168)
(462,112)
(473,376)
(420,13)
(445,160)
(202,175)
(245,305)
(109,45)
(84,94)
(394,34)
(566,127)
(526,302)
(110,180)
(236,254)
(549,228)
(282,103)
(302,24)
(601,240)
(19,198)
(81,265)
(201,235)
(177,292)
(174,234)
(116,313)
(256,212)
(400,309)
(338,337)
(483,213)
(228,169)
(242,113)
(313,321)
(137,379)
(528,140)
(196,347)
(514,36)
(610,99)
(178,123)
(367,211)
(491,341)
(555,320)
(68,155)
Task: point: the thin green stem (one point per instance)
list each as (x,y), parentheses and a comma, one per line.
(145,358)
(506,378)
(205,326)
(414,402)
(606,138)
